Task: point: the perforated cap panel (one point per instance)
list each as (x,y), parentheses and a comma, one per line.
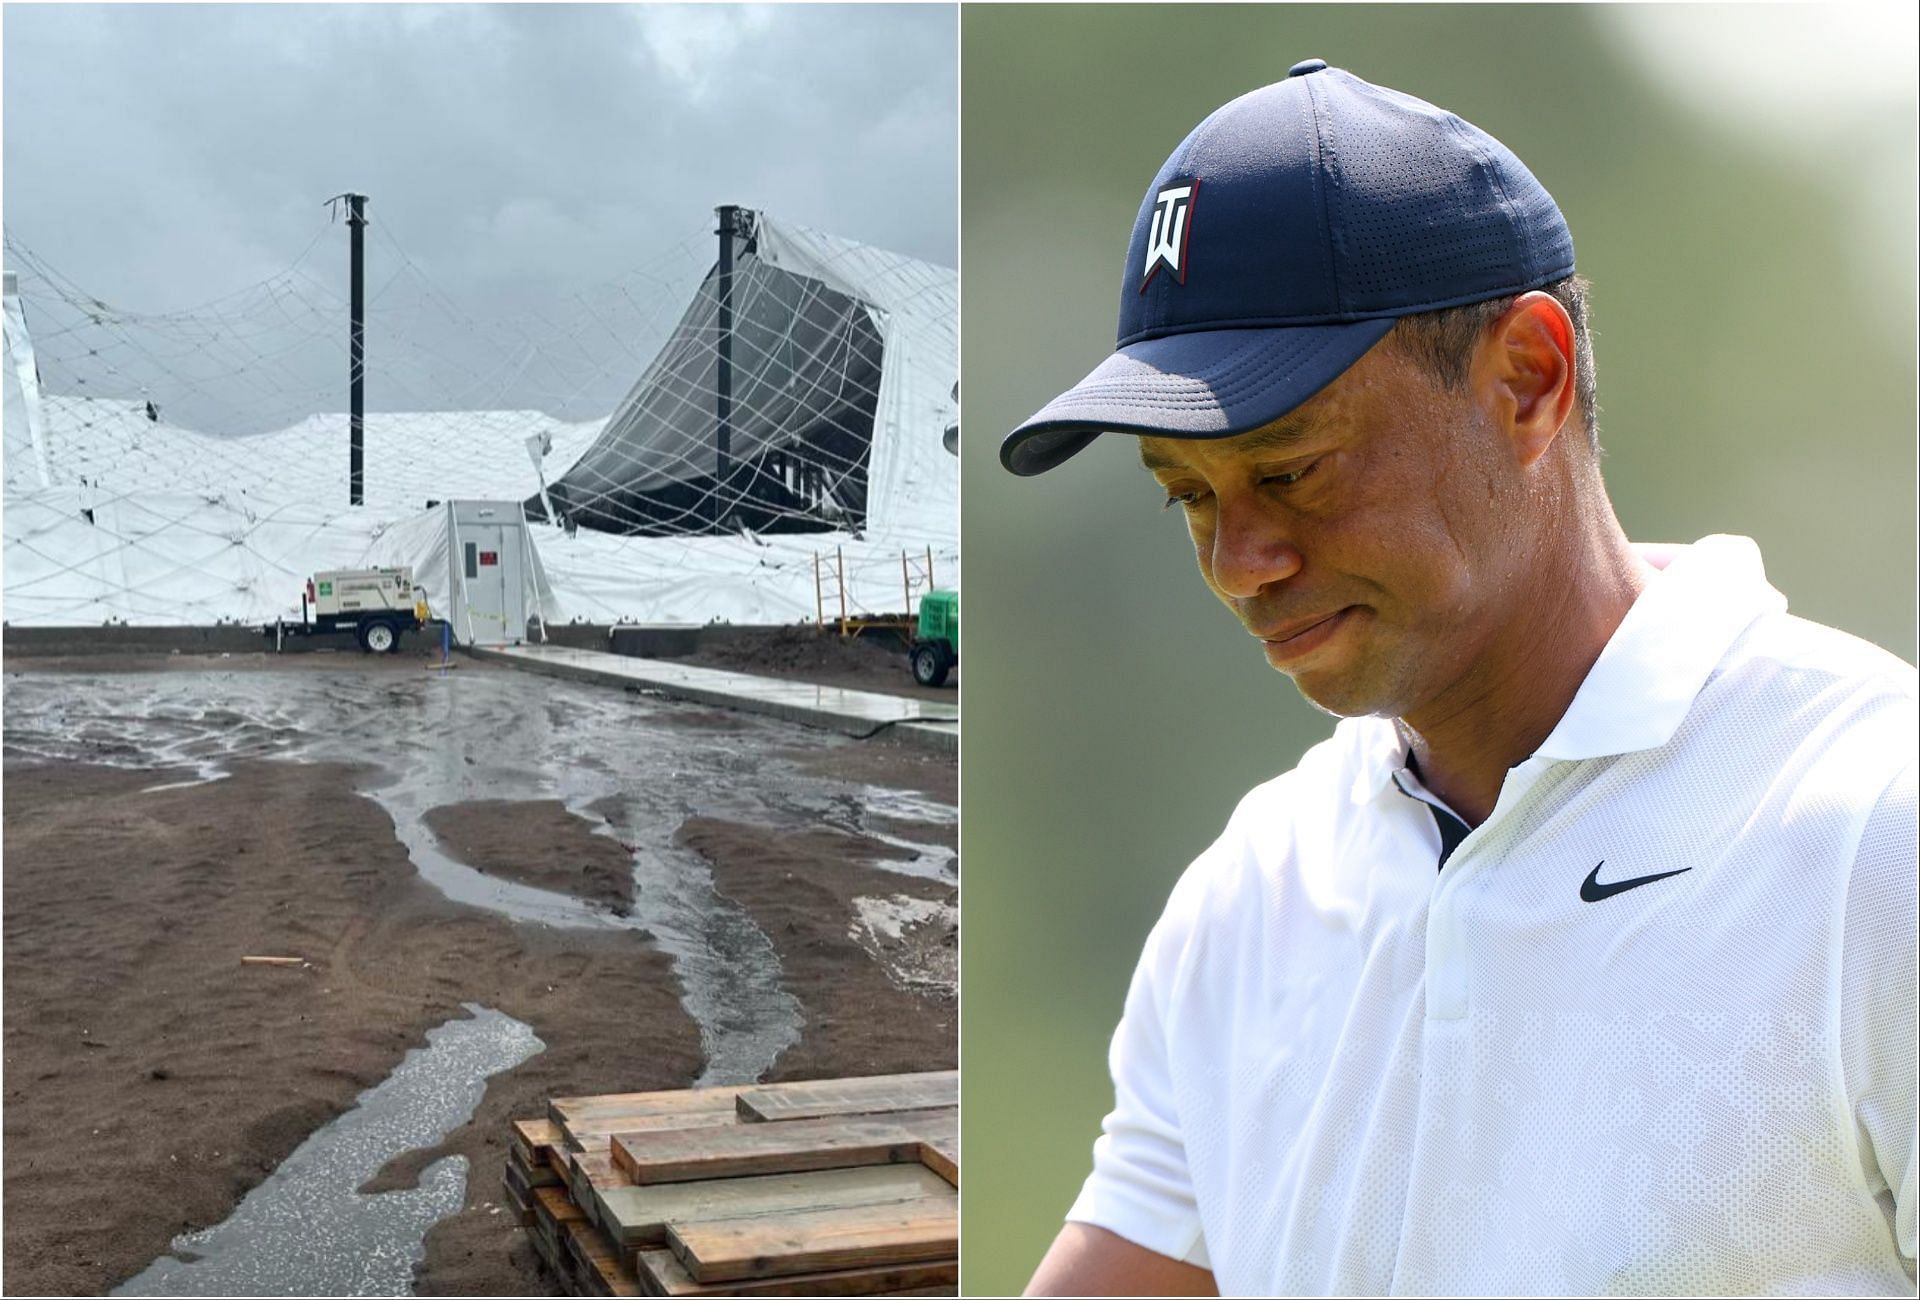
(1428,209)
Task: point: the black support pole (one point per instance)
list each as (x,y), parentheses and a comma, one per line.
(357,352)
(723,379)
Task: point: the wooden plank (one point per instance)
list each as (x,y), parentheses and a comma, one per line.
(596,1132)
(536,1133)
(595,1111)
(582,1166)
(589,1174)
(565,1111)
(581,1279)
(523,1181)
(571,1272)
(544,1248)
(519,1194)
(648,1100)
(532,1137)
(792,1146)
(541,1174)
(554,1203)
(552,1212)
(875,1094)
(816,1241)
(942,1155)
(605,1273)
(660,1273)
(636,1217)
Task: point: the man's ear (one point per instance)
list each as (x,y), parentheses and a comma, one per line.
(1523,372)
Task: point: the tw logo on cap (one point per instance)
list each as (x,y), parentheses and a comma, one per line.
(1172,223)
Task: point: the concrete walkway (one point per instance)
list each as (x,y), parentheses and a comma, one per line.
(852,713)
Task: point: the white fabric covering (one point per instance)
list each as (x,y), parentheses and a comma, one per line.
(189,527)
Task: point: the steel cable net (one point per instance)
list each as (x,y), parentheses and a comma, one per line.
(191,466)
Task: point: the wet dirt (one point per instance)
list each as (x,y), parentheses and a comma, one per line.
(936,776)
(606,772)
(311,1228)
(916,940)
(802,886)
(861,663)
(537,842)
(152,1079)
(408,660)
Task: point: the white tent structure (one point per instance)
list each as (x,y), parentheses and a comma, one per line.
(114,513)
(792,396)
(477,564)
(24,459)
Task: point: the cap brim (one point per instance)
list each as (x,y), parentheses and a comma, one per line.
(1201,384)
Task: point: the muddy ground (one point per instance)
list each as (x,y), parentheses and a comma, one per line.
(408,661)
(862,663)
(537,842)
(152,1079)
(801,886)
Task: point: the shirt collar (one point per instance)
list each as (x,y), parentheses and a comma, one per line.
(1645,681)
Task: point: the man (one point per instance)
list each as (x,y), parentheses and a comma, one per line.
(1581,958)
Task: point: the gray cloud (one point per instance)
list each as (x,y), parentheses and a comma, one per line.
(165,155)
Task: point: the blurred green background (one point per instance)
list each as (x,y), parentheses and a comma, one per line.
(1740,184)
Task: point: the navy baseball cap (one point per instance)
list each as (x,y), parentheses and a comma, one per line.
(1281,241)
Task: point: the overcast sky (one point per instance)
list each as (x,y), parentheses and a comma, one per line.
(160,156)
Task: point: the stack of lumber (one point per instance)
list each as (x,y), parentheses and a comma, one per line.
(833,1187)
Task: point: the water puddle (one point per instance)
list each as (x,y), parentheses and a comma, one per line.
(926,863)
(911,938)
(729,972)
(464,884)
(184,785)
(869,811)
(306,1230)
(908,806)
(615,759)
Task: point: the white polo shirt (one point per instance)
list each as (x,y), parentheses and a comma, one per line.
(1342,1070)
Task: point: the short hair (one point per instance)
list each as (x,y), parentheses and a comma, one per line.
(1442,342)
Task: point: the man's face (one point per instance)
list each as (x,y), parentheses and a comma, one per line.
(1367,539)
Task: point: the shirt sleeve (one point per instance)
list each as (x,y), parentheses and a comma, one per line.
(1140,1188)
(1877,975)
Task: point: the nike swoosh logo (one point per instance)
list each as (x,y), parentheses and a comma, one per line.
(1592,891)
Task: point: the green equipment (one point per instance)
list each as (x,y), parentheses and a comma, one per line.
(936,638)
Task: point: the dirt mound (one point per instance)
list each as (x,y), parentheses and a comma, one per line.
(873,662)
(537,842)
(787,649)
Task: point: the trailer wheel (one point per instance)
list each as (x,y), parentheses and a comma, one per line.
(929,665)
(379,637)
